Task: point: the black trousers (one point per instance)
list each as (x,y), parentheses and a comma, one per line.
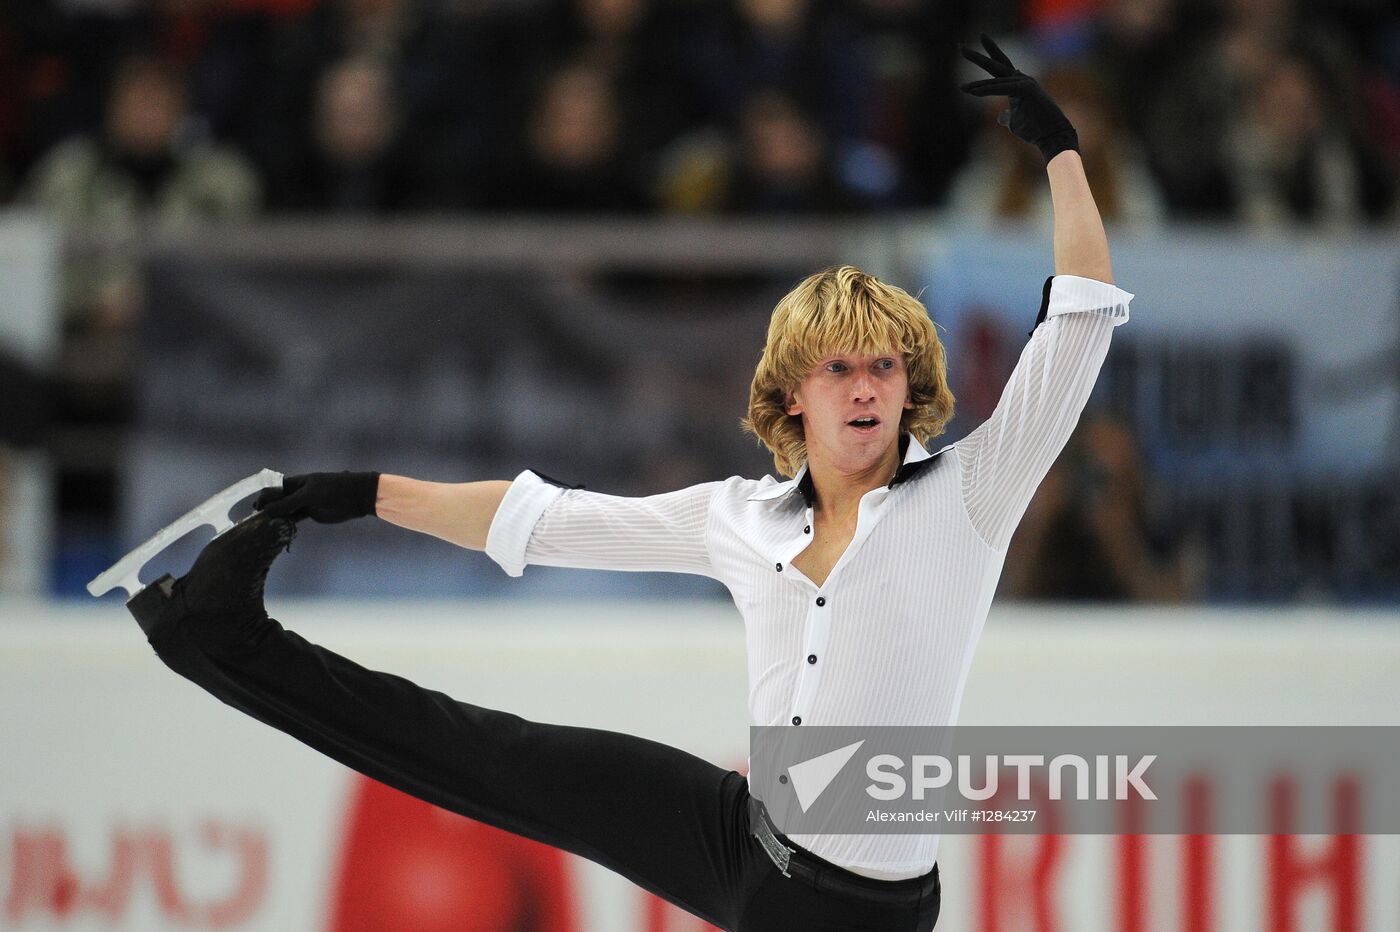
(670,822)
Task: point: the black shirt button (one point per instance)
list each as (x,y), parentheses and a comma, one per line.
(811,658)
(821,600)
(797,720)
(780,567)
(807,529)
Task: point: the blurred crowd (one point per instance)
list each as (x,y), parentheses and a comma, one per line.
(1261,112)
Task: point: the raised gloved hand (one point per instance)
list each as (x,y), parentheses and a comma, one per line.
(1033,116)
(324,497)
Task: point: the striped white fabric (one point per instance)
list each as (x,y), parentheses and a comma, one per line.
(888,638)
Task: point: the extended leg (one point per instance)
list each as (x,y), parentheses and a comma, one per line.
(667,820)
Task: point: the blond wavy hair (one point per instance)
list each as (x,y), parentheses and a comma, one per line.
(844,310)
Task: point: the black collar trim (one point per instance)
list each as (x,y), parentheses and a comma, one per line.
(904,473)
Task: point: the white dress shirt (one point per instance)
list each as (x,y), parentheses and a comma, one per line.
(888,638)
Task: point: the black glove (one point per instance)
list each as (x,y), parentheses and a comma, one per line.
(1033,116)
(324,497)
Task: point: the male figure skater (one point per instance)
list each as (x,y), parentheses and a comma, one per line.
(863,582)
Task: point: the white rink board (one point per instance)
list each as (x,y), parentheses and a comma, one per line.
(104,748)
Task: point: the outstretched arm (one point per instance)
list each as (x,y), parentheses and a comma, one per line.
(457,512)
(532,519)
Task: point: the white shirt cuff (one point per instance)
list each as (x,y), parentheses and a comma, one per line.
(515,519)
(1072,294)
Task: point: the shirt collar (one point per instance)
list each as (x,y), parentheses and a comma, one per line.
(913,452)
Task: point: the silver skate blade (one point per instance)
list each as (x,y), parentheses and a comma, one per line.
(125,573)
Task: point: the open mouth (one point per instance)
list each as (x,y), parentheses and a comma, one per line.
(864,423)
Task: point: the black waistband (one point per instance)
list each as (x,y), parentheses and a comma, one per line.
(795,861)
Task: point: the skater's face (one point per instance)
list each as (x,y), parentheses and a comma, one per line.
(851,406)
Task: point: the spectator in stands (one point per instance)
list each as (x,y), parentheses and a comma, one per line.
(573,153)
(355,165)
(443,100)
(1186,123)
(1292,158)
(635,42)
(1088,535)
(1211,103)
(1001,182)
(56,62)
(148,162)
(783,165)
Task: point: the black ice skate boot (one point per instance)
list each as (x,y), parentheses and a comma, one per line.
(222,593)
